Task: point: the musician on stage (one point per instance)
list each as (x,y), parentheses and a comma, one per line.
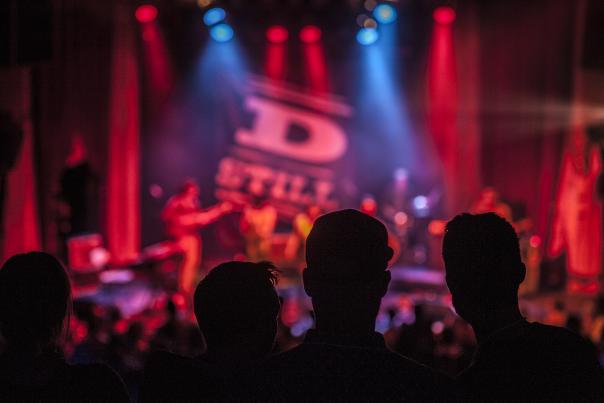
(490,202)
(183,217)
(301,226)
(257,225)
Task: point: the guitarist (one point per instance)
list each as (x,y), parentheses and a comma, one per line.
(183,217)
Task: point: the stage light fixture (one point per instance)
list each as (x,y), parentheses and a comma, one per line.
(444,15)
(535,241)
(420,202)
(367,36)
(370,23)
(204,3)
(310,34)
(385,14)
(370,4)
(222,32)
(361,18)
(277,34)
(213,16)
(146,13)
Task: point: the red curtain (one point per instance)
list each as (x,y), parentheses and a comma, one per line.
(21,226)
(526,79)
(442,108)
(577,226)
(71,91)
(90,88)
(453,79)
(123,199)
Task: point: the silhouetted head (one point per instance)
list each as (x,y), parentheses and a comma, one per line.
(190,188)
(489,195)
(236,306)
(347,255)
(573,323)
(599,306)
(483,265)
(35,298)
(77,152)
(258,200)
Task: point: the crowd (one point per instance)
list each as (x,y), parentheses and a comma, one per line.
(240,349)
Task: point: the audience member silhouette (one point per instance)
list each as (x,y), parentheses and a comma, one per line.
(35,302)
(516,361)
(343,358)
(177,335)
(236,306)
(416,340)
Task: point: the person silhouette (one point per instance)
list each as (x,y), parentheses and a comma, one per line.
(515,360)
(35,302)
(343,358)
(236,306)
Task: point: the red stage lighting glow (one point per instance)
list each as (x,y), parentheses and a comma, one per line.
(443,97)
(535,241)
(276,61)
(444,15)
(146,13)
(277,34)
(310,34)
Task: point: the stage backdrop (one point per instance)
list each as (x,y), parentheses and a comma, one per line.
(324,123)
(457,106)
(204,108)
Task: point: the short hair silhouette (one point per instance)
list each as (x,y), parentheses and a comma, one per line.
(346,247)
(347,255)
(237,303)
(483,263)
(35,299)
(515,360)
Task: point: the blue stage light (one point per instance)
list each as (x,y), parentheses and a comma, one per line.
(385,14)
(214,16)
(420,202)
(222,32)
(367,36)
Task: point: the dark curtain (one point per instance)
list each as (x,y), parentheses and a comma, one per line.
(526,85)
(71,93)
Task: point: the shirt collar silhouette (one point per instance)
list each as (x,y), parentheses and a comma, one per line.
(374,340)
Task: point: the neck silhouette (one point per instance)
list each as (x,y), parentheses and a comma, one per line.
(234,355)
(346,317)
(494,320)
(342,327)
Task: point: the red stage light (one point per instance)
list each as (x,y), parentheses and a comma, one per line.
(146,13)
(277,34)
(444,15)
(535,241)
(310,34)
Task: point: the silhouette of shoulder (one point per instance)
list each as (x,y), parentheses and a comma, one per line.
(534,362)
(54,380)
(99,383)
(332,369)
(170,377)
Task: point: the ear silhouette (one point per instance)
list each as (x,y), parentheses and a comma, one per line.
(389,254)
